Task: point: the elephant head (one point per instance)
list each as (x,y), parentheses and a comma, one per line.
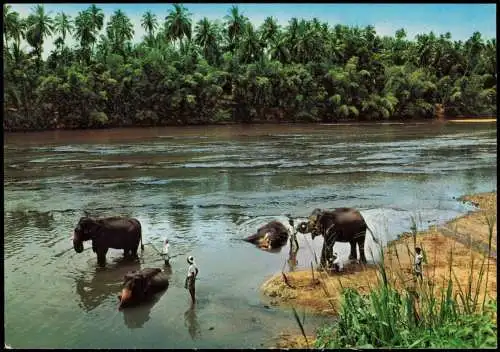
(85,230)
(313,224)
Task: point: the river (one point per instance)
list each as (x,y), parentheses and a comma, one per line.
(206,187)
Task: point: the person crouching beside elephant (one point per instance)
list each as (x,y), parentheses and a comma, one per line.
(337,264)
(111,232)
(139,286)
(341,224)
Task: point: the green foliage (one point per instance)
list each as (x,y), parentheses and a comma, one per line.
(231,71)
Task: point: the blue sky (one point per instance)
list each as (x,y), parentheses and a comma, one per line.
(461,20)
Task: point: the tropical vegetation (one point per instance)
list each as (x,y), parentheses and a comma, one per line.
(230,71)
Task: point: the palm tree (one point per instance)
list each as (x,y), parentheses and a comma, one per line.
(13,26)
(149,23)
(63,24)
(97,17)
(40,25)
(235,23)
(97,20)
(278,49)
(207,37)
(84,32)
(119,30)
(178,23)
(269,30)
(250,48)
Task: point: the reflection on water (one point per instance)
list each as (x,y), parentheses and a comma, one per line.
(206,188)
(191,322)
(104,283)
(136,317)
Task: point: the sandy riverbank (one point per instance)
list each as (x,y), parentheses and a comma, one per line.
(472,120)
(465,236)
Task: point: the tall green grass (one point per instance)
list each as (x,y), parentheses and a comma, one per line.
(416,314)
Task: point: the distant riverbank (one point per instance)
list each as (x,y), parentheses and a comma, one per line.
(341,122)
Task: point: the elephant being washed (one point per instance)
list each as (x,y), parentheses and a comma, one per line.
(272,235)
(141,286)
(341,224)
(112,232)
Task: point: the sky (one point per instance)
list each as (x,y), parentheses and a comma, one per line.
(461,20)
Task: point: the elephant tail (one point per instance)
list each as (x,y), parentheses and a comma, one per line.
(140,234)
(373,236)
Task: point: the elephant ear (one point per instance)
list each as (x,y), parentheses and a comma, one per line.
(91,227)
(314,220)
(326,223)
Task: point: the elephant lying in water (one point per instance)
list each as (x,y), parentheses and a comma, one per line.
(341,224)
(272,235)
(112,232)
(140,286)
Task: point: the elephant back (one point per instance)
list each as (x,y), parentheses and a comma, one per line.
(339,220)
(347,215)
(159,282)
(117,223)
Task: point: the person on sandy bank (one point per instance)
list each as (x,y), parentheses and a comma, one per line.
(337,264)
(165,252)
(418,262)
(191,277)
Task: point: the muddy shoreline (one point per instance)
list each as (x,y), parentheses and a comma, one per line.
(260,122)
(466,236)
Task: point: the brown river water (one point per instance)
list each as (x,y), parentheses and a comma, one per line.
(207,187)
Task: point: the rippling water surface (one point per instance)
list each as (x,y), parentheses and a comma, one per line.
(205,187)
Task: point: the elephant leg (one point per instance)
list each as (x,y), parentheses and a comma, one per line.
(327,252)
(361,244)
(323,263)
(134,251)
(101,256)
(353,254)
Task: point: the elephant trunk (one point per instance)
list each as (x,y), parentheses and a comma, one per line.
(77,244)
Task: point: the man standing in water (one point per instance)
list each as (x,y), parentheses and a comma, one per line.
(165,252)
(191,277)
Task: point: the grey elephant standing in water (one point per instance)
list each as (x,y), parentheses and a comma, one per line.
(341,224)
(112,232)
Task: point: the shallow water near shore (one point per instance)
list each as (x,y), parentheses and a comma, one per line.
(207,187)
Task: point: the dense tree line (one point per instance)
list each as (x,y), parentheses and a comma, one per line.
(230,71)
